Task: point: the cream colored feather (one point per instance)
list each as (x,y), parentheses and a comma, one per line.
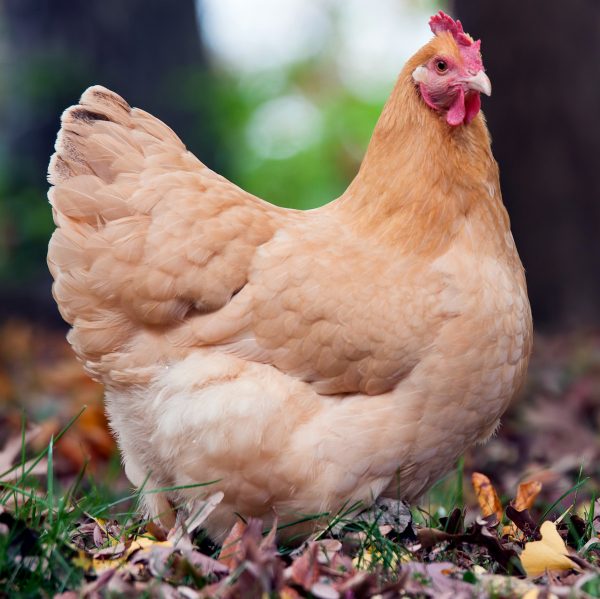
(305,360)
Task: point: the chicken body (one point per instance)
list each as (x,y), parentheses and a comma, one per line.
(304,360)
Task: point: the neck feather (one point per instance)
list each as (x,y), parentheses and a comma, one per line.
(421,177)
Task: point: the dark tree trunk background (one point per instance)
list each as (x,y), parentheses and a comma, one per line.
(149,51)
(142,49)
(544,116)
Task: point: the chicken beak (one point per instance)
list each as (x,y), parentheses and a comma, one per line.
(480,83)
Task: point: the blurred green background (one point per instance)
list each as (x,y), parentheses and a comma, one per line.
(281,97)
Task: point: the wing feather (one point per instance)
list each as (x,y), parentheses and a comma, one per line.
(145,232)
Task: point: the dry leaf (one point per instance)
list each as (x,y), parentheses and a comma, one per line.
(499,585)
(201,511)
(550,553)
(429,537)
(531,594)
(522,525)
(9,454)
(305,570)
(488,499)
(288,592)
(93,565)
(526,495)
(232,546)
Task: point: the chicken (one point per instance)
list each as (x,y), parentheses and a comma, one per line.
(297,361)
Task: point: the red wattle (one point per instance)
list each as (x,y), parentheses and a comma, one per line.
(457,111)
(473,106)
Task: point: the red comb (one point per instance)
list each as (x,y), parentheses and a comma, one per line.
(443,22)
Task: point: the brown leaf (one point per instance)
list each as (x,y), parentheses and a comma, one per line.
(480,534)
(488,499)
(328,550)
(359,584)
(429,537)
(260,569)
(112,552)
(526,495)
(454,522)
(520,520)
(304,570)
(289,593)
(430,580)
(9,454)
(157,530)
(231,551)
(205,563)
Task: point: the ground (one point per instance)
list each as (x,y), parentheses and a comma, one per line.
(518,517)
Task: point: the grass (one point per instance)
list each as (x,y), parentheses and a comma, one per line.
(37,554)
(40,515)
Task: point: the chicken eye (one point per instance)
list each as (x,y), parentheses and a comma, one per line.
(441,66)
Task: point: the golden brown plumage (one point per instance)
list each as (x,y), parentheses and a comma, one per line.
(306,360)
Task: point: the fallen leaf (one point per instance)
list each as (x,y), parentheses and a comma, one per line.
(453,523)
(9,472)
(112,551)
(549,554)
(93,565)
(322,590)
(391,513)
(260,571)
(231,551)
(526,495)
(429,537)
(483,534)
(305,570)
(289,593)
(488,499)
(518,511)
(145,544)
(520,521)
(429,580)
(201,511)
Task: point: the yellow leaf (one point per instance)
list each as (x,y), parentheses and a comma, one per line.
(144,543)
(488,499)
(550,553)
(371,556)
(95,565)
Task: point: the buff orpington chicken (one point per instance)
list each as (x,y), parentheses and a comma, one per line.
(304,361)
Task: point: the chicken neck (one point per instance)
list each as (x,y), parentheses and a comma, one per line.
(420,178)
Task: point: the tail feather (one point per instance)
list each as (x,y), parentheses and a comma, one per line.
(134,210)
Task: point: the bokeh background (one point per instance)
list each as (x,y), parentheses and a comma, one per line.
(281,97)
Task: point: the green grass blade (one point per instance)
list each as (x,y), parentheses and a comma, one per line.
(50,483)
(565,494)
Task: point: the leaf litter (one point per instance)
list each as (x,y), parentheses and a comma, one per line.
(528,527)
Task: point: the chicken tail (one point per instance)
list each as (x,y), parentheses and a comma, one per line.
(146,234)
(101,207)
